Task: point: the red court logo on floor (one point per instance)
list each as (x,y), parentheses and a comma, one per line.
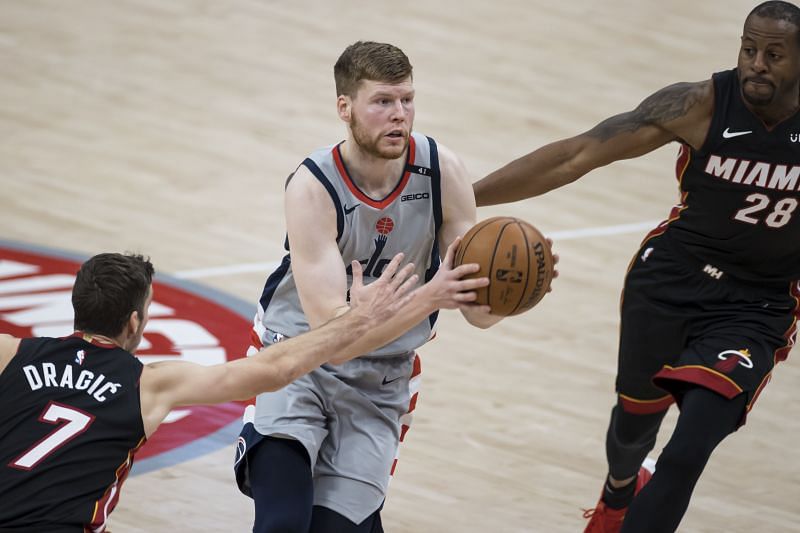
(186,323)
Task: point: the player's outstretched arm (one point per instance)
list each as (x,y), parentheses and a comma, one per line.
(678,112)
(166,385)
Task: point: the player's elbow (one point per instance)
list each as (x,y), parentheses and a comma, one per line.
(572,169)
(574,159)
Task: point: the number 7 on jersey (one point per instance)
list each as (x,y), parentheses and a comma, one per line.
(76,423)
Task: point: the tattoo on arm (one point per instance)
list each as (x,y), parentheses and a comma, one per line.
(665,105)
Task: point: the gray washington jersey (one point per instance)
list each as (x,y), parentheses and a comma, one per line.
(352,417)
(370,231)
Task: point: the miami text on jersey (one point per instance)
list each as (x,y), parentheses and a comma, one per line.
(756,173)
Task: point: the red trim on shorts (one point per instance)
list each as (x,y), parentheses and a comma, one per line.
(413,403)
(255,340)
(377,204)
(703,376)
(417,367)
(645,407)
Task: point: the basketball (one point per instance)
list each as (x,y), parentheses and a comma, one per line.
(515,257)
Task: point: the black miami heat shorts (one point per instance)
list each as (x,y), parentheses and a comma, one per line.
(685,322)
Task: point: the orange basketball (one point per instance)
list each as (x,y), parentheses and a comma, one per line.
(515,257)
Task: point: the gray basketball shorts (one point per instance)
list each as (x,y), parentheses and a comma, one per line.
(351,419)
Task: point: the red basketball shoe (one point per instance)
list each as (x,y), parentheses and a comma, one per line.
(603,519)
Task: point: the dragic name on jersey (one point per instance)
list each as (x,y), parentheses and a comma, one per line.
(47,375)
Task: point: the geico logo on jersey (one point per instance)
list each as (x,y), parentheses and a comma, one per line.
(35,293)
(415,196)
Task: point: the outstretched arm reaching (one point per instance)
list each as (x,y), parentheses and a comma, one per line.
(379,310)
(446,290)
(678,112)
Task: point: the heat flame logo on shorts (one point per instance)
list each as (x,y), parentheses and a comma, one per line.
(730,358)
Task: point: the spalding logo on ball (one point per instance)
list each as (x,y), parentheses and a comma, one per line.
(515,257)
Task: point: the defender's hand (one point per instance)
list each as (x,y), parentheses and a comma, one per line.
(555,263)
(381,299)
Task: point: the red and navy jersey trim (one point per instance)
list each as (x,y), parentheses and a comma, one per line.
(436,189)
(274,280)
(358,193)
(315,170)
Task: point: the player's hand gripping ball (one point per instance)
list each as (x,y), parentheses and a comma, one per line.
(516,258)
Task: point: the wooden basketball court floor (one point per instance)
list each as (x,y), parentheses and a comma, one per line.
(169,127)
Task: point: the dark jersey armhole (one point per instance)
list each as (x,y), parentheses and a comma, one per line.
(436,188)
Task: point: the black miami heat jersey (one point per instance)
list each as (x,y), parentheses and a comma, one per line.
(740,193)
(369,231)
(70,422)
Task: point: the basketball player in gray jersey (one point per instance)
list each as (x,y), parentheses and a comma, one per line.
(318,455)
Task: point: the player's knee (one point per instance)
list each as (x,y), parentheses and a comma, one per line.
(325,520)
(281,486)
(706,419)
(629,439)
(634,430)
